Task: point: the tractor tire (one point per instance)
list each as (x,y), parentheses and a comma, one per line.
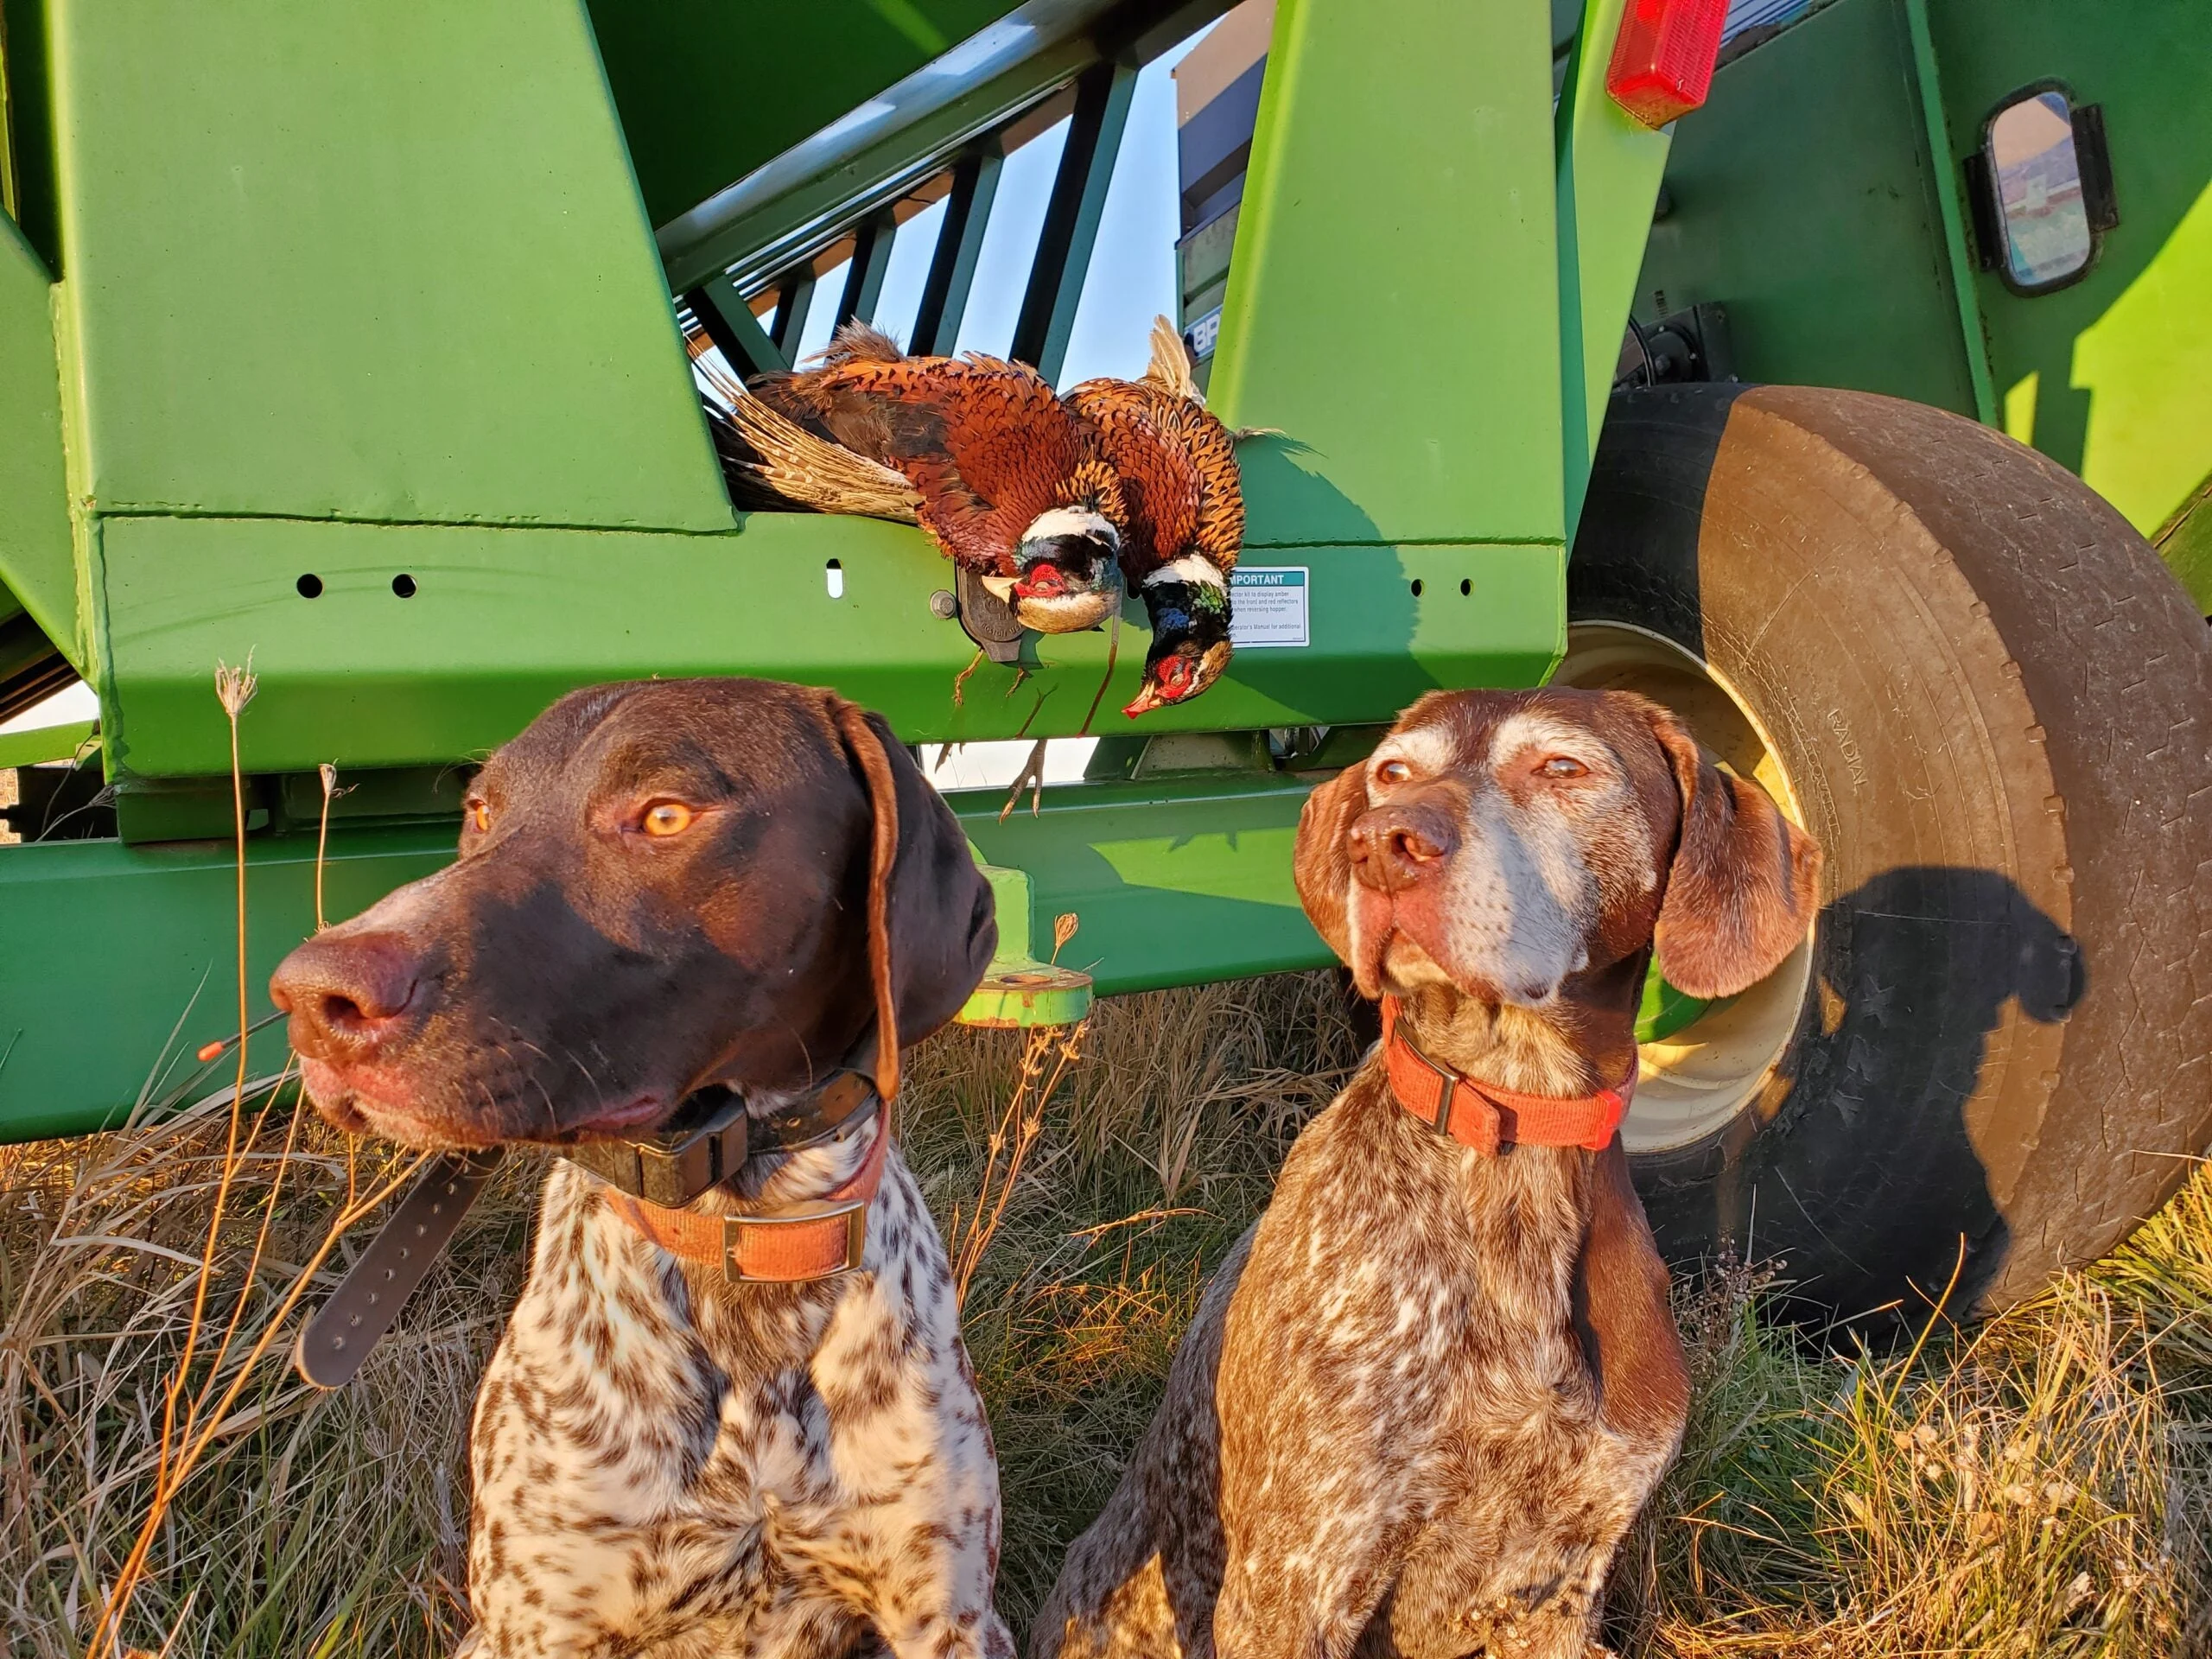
(1982,691)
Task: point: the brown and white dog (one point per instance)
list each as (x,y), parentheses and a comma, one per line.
(1429,1390)
(661,888)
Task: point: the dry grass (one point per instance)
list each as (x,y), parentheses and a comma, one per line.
(314,1523)
(2033,1487)
(2037,1487)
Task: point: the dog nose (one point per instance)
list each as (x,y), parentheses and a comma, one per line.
(347,994)
(1395,847)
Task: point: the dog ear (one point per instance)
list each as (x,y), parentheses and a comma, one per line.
(1320,865)
(1741,893)
(931,927)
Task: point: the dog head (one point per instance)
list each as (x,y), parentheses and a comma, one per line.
(661,885)
(1503,843)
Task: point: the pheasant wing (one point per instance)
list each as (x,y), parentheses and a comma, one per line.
(986,443)
(1161,485)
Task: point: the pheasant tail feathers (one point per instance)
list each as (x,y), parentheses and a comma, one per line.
(859,342)
(814,472)
(1170,369)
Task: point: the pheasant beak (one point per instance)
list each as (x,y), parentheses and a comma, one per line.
(1146,699)
(999,588)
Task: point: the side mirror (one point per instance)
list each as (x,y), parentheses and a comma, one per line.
(2041,190)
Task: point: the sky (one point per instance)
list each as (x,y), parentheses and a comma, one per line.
(1132,276)
(1131,281)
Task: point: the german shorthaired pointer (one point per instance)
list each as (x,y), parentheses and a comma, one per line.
(667,892)
(1429,1390)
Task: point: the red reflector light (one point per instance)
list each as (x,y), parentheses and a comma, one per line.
(1662,62)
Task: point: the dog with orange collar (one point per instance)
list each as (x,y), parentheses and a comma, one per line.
(690,926)
(1429,1390)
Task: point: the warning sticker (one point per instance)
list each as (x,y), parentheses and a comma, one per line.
(1267,605)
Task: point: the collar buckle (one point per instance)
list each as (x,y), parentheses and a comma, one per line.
(1462,1114)
(852,1212)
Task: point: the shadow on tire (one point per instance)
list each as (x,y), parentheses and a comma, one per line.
(1868,1159)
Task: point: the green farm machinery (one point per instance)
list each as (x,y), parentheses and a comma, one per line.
(350,340)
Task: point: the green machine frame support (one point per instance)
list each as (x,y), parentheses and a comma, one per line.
(37,557)
(1609,170)
(385,300)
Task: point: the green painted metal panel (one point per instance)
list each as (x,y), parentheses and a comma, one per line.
(29,183)
(1803,201)
(502,621)
(1944,178)
(2112,377)
(378,259)
(36,560)
(710,89)
(151,943)
(45,743)
(1812,201)
(151,929)
(1610,166)
(1173,883)
(1393,305)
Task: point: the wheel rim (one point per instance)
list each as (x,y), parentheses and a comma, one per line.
(1698,1080)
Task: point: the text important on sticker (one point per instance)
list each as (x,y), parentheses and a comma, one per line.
(1268,606)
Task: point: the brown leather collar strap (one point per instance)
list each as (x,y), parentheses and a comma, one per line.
(819,1239)
(1483,1115)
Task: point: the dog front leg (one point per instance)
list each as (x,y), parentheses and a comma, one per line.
(932,1591)
(950,1638)
(1318,1520)
(929,1587)
(1320,1452)
(1308,1590)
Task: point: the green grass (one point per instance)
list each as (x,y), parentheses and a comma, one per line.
(2037,1486)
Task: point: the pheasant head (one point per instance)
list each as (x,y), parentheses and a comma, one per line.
(1067,574)
(1188,601)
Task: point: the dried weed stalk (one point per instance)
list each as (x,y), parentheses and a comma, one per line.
(329,773)
(189,1428)
(1047,1051)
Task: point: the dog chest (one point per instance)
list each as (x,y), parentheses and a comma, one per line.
(647,1450)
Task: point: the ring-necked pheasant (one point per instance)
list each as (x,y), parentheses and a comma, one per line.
(1177,464)
(1009,481)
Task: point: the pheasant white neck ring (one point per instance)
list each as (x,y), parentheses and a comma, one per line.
(1190,567)
(1080,523)
(1067,572)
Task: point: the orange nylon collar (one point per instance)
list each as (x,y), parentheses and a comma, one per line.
(820,1238)
(1483,1115)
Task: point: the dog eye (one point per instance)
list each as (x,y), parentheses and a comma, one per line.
(666,818)
(1560,766)
(1392,771)
(479,817)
